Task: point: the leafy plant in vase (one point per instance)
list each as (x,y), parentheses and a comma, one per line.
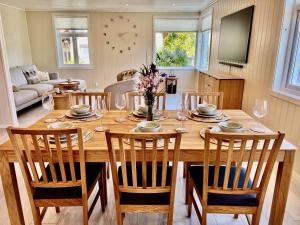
(148,86)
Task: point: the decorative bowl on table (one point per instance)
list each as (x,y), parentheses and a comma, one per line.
(60,125)
(207,109)
(232,127)
(80,109)
(148,126)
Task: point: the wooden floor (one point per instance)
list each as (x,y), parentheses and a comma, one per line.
(73,215)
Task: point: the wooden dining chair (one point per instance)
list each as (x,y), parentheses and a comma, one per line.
(52,177)
(144,182)
(134,99)
(233,189)
(89,98)
(195,98)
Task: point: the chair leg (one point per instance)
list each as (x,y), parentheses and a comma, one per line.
(255,219)
(107,170)
(189,191)
(187,180)
(119,216)
(170,218)
(236,216)
(103,189)
(204,217)
(85,211)
(57,209)
(184,169)
(36,216)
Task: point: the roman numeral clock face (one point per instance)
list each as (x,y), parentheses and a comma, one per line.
(120,34)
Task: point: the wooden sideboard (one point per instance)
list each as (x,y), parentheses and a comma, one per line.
(231,86)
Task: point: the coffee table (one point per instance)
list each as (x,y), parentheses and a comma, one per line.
(61,101)
(73,85)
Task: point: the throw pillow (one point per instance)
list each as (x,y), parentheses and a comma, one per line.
(31,77)
(43,76)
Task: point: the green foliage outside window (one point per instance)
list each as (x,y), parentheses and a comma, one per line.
(178,50)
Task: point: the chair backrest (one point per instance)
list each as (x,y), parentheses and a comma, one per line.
(246,147)
(134,99)
(215,98)
(34,151)
(90,97)
(154,156)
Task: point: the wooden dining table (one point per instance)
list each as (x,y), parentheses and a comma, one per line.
(192,148)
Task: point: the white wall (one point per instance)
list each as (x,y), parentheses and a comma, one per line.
(16,35)
(259,71)
(106,63)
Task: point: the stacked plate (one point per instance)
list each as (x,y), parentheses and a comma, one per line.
(61,125)
(142,112)
(206,111)
(229,127)
(80,112)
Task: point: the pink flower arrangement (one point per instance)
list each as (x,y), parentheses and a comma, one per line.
(149,80)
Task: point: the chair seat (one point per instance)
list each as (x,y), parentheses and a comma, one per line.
(93,171)
(145,199)
(196,173)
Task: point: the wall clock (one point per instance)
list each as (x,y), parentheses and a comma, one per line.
(120,34)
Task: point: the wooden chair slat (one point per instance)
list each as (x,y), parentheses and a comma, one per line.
(39,156)
(154,163)
(217,164)
(239,165)
(51,164)
(123,163)
(144,164)
(60,158)
(165,163)
(260,163)
(209,97)
(228,164)
(71,158)
(29,158)
(133,163)
(92,97)
(250,164)
(132,96)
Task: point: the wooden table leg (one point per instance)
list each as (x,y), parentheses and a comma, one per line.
(11,190)
(282,185)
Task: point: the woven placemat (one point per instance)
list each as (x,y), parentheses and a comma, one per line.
(221,117)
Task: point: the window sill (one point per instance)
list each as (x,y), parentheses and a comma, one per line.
(288,97)
(177,68)
(89,67)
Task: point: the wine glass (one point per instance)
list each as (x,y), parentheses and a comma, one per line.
(260,110)
(48,101)
(182,116)
(100,110)
(120,103)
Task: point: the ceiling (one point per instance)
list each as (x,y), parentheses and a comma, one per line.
(112,5)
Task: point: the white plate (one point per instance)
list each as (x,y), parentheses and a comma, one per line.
(138,114)
(218,130)
(216,114)
(70,115)
(60,125)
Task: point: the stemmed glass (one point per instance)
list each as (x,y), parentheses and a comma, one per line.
(120,103)
(100,110)
(182,113)
(48,101)
(260,110)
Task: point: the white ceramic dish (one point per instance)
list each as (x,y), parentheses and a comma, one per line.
(80,109)
(60,125)
(229,126)
(148,126)
(203,115)
(74,116)
(207,108)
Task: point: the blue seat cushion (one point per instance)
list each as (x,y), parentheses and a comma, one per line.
(93,170)
(196,173)
(145,199)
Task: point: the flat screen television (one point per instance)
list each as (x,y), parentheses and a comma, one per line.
(235,35)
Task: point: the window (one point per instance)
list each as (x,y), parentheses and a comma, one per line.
(204,42)
(175,42)
(72,41)
(287,71)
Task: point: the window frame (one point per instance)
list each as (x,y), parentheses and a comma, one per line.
(199,50)
(59,53)
(154,43)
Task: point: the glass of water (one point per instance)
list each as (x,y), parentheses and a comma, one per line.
(120,103)
(260,110)
(100,110)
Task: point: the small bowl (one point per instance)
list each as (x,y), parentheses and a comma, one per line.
(229,126)
(60,125)
(80,109)
(206,108)
(148,126)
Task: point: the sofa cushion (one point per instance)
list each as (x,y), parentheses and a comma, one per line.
(17,76)
(39,88)
(24,96)
(43,76)
(31,77)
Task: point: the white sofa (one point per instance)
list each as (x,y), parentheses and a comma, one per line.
(28,94)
